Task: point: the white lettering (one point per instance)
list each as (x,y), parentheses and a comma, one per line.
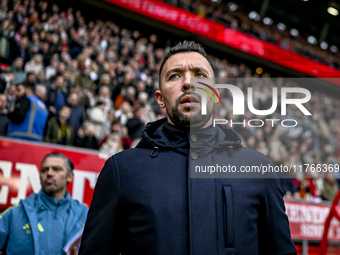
(297,101)
(261,112)
(29,173)
(78,189)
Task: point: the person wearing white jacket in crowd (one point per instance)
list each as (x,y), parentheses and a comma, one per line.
(99,117)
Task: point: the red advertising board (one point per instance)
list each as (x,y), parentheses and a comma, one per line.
(191,22)
(19,170)
(306,221)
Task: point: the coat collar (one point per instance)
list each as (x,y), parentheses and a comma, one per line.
(165,136)
(51,203)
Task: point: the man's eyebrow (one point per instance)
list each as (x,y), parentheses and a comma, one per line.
(199,68)
(173,70)
(53,166)
(180,69)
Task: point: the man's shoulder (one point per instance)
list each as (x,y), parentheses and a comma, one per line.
(77,205)
(19,208)
(129,153)
(24,99)
(128,158)
(12,210)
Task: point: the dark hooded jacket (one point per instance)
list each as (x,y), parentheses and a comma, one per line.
(146,203)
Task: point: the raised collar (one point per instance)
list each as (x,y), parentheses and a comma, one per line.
(50,202)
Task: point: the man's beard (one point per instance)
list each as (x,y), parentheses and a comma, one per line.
(195,120)
(52,190)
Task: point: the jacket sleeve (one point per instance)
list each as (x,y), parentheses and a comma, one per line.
(20,111)
(48,132)
(4,228)
(274,232)
(101,233)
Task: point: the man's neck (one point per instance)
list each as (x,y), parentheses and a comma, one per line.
(62,120)
(60,195)
(190,125)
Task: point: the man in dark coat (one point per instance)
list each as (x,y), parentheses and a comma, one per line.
(146,201)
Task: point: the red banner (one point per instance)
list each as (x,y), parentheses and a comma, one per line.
(307,221)
(20,164)
(191,22)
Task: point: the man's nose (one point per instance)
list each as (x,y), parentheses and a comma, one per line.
(187,85)
(49,171)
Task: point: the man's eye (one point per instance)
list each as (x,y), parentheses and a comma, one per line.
(173,76)
(202,75)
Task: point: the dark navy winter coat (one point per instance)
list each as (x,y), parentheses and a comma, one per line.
(146,203)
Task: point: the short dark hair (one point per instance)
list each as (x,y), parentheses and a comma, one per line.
(183,47)
(68,163)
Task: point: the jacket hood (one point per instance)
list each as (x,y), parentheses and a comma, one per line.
(161,135)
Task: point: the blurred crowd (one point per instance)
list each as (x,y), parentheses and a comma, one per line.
(238,18)
(97,81)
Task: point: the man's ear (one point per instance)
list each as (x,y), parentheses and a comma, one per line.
(70,177)
(160,99)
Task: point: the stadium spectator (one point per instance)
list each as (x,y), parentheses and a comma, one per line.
(6,37)
(116,128)
(124,113)
(34,45)
(59,71)
(112,145)
(84,81)
(41,78)
(77,116)
(59,131)
(85,137)
(51,69)
(35,65)
(136,124)
(3,9)
(99,117)
(28,117)
(45,52)
(21,50)
(56,96)
(6,78)
(19,73)
(10,96)
(129,96)
(330,187)
(4,121)
(31,80)
(104,95)
(41,92)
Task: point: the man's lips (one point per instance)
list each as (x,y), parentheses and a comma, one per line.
(49,181)
(189,100)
